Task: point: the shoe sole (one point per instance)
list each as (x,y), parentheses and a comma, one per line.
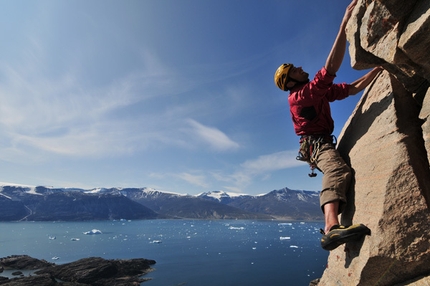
(344,238)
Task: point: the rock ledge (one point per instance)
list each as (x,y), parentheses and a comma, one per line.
(87,271)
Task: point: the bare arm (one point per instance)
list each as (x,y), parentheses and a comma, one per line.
(361,83)
(335,58)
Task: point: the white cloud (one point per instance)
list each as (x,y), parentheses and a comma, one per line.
(197,180)
(272,162)
(253,172)
(212,136)
(60,115)
(259,169)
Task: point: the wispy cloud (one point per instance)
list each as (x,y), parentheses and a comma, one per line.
(258,169)
(214,137)
(248,173)
(61,115)
(196,180)
(271,162)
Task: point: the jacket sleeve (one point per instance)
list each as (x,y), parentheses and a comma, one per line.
(338,92)
(321,86)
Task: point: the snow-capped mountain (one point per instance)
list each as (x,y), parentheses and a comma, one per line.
(186,206)
(48,203)
(283,203)
(221,196)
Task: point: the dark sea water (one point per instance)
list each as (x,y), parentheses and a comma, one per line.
(187,252)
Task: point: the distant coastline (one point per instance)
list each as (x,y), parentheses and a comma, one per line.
(25,203)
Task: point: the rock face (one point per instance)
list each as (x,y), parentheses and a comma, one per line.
(20,262)
(387,143)
(87,271)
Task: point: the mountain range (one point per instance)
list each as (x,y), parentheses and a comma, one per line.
(41,203)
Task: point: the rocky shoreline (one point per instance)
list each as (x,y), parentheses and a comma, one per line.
(87,271)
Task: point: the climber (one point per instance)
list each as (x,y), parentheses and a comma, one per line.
(311,115)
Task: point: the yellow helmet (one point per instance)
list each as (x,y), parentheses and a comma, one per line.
(281,76)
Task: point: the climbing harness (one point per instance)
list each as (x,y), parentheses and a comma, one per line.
(310,148)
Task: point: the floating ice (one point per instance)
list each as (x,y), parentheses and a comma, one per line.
(236,228)
(93,231)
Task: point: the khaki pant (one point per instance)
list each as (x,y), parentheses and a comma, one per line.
(336,178)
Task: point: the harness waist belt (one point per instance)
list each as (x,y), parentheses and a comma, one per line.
(318,138)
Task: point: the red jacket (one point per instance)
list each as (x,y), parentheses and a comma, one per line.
(309,104)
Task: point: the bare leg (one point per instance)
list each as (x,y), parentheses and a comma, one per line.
(331,211)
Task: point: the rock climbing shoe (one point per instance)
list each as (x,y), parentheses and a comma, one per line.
(340,234)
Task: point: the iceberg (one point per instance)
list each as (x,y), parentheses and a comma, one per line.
(236,228)
(93,231)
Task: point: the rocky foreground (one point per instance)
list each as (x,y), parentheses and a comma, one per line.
(88,271)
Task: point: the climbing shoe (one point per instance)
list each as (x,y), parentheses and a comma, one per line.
(340,234)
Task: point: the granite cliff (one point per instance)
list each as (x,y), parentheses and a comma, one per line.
(387,142)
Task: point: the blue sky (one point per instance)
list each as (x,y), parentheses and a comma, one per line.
(176,95)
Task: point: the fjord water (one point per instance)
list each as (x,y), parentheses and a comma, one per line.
(187,252)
